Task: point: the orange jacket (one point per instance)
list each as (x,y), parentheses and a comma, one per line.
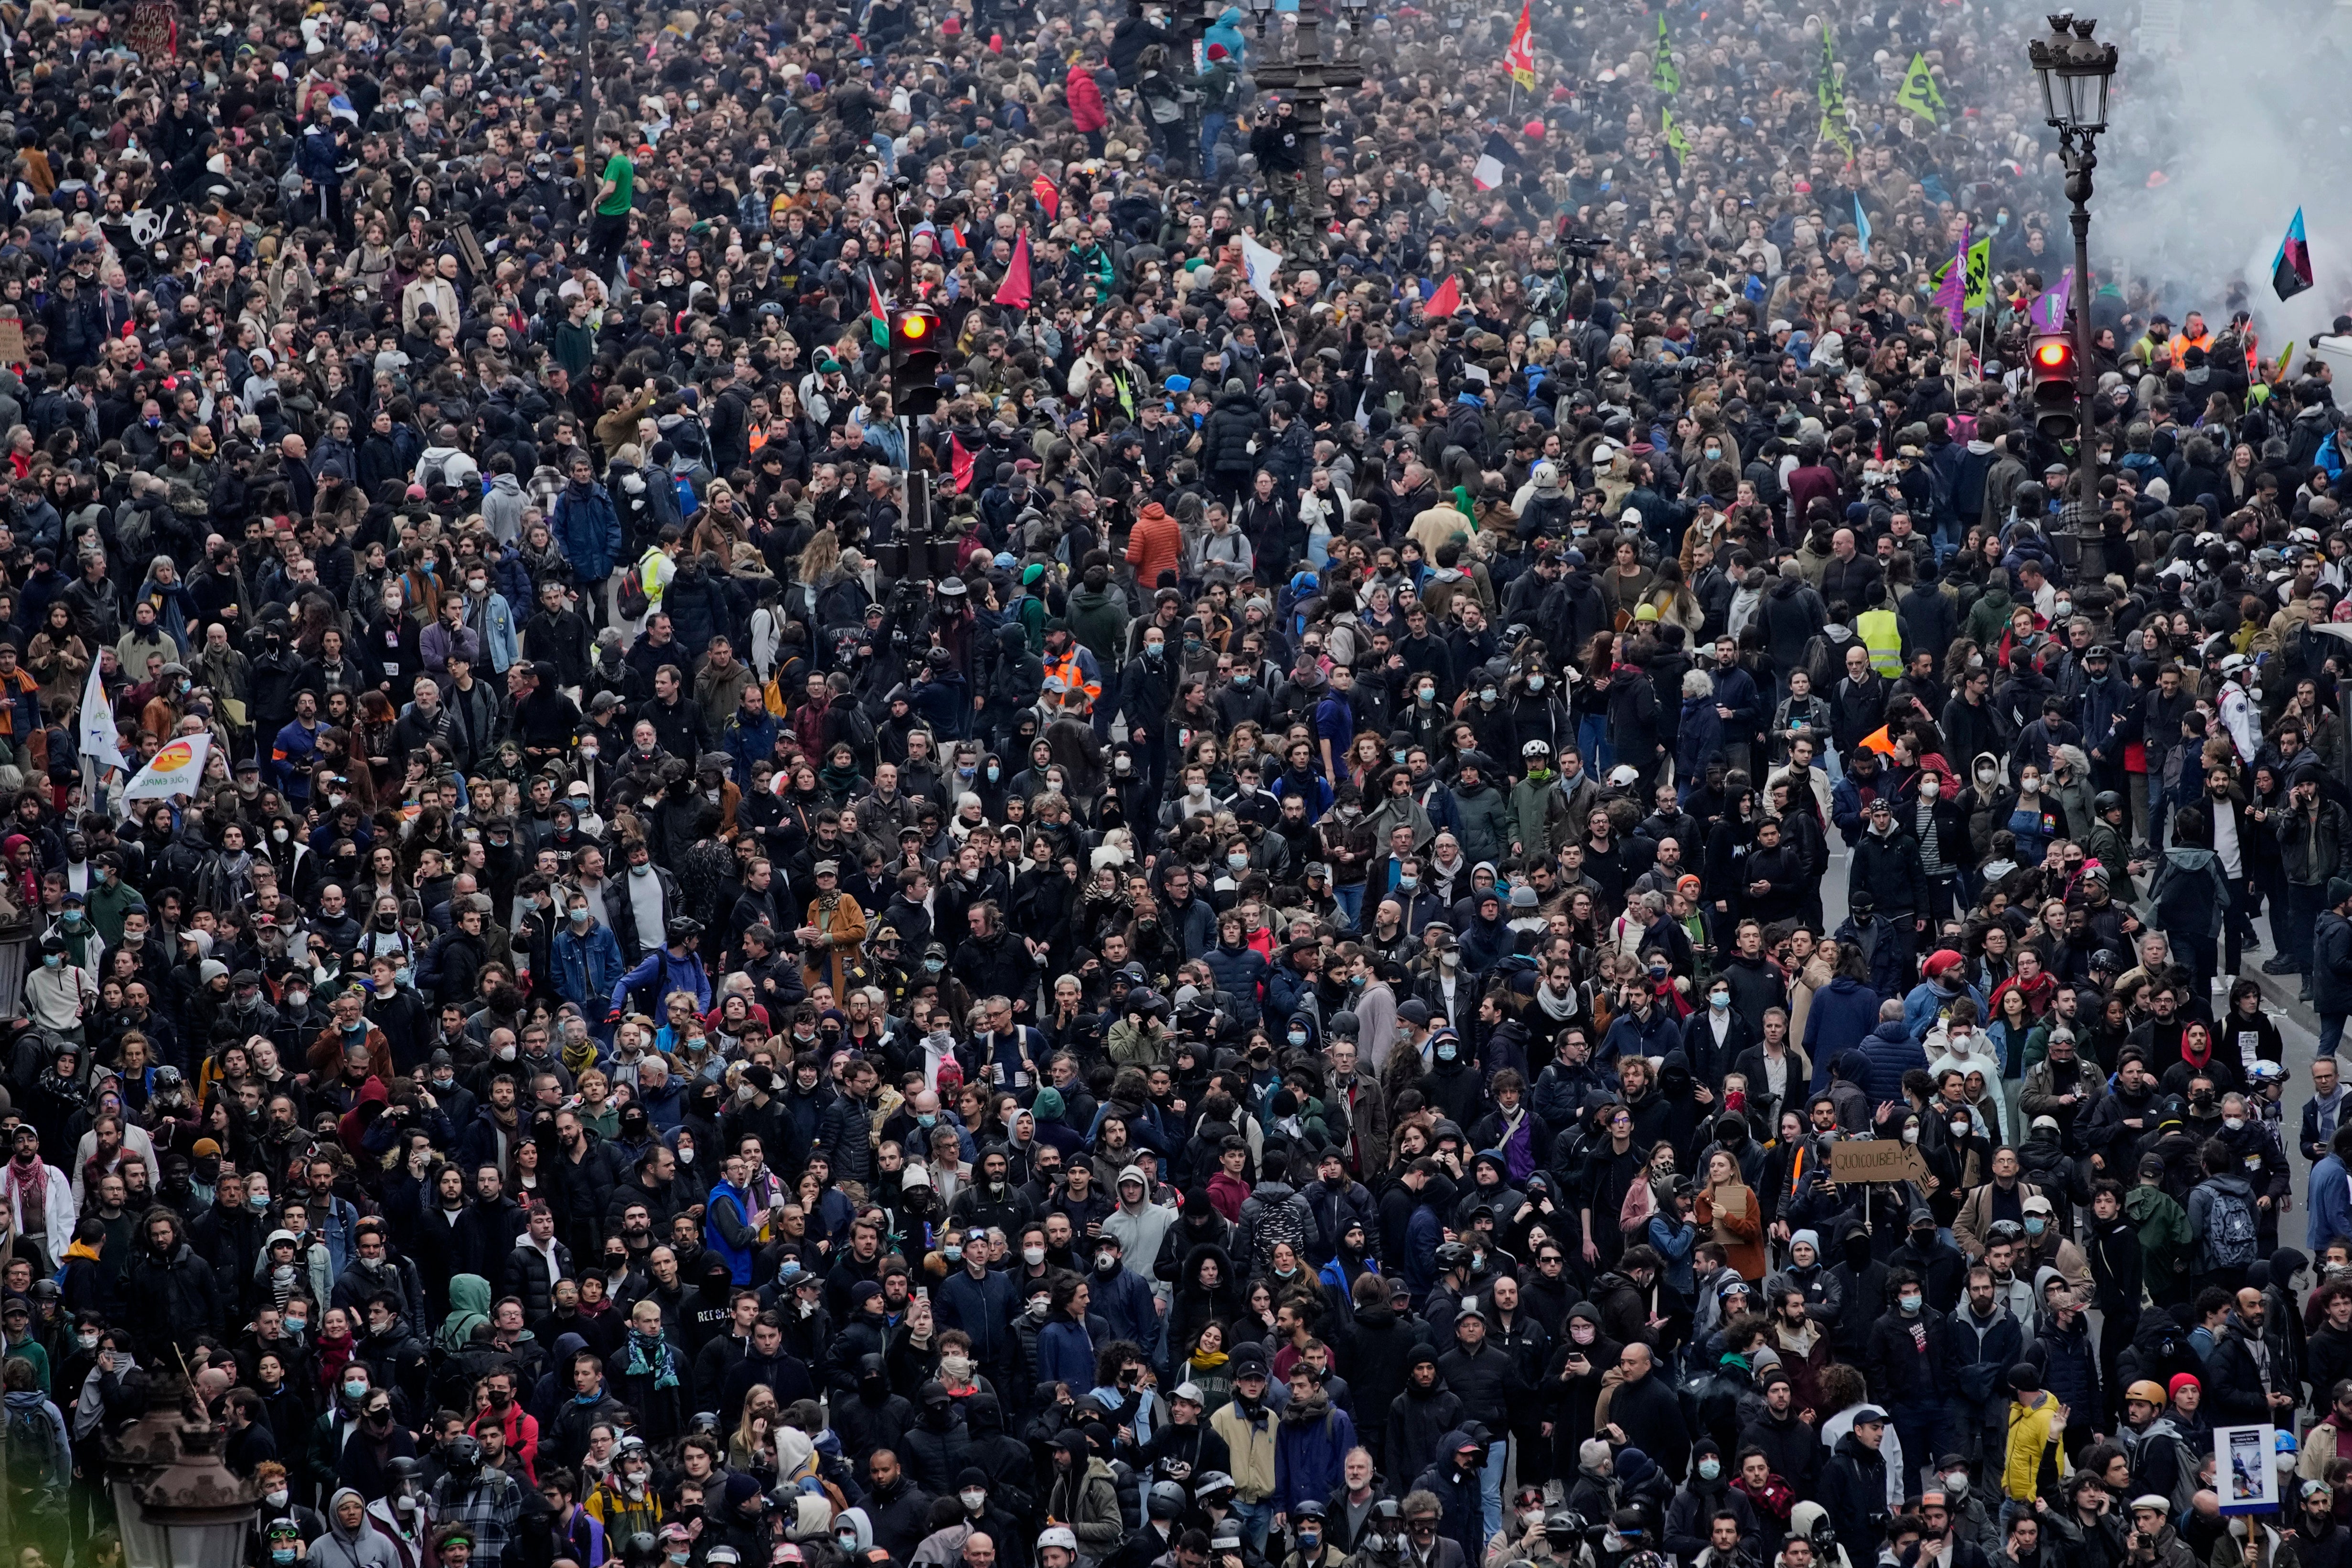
(1155,545)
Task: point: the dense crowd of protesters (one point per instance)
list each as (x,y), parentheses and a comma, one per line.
(1266,926)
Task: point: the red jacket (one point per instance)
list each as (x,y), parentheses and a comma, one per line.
(1086,112)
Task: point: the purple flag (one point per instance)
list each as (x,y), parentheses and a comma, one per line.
(1952,294)
(2050,310)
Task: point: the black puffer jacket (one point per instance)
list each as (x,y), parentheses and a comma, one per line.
(1226,433)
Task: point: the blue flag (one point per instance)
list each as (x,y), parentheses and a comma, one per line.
(1861,221)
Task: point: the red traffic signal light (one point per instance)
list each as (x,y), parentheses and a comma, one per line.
(2056,414)
(915,358)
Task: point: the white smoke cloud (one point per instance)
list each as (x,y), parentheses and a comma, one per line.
(2239,107)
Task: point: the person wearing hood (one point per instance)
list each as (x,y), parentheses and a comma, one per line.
(1452,1476)
(46,1470)
(352,1542)
(872,1416)
(1083,1495)
(1419,1416)
(1690,1518)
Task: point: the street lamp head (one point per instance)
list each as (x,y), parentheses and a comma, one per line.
(2074,69)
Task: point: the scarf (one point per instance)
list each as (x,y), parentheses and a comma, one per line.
(30,1183)
(1208,1360)
(651,1355)
(334,1355)
(1559,1010)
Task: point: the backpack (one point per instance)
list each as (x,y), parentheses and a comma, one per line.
(2184,1460)
(29,1444)
(633,601)
(2228,1230)
(1275,1221)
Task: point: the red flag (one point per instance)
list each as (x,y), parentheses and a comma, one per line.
(874,305)
(1047,197)
(1519,59)
(1446,301)
(962,460)
(1014,289)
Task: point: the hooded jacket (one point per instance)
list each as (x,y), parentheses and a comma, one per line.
(347,1548)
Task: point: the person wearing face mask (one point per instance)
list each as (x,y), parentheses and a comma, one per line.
(1707,1491)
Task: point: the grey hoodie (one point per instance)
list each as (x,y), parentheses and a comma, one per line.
(502,507)
(341,1548)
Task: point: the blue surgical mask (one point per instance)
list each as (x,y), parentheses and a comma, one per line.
(1445,1053)
(954,1254)
(926,1118)
(355,1391)
(1299,1037)
(993,771)
(2036,1225)
(1408,884)
(1535,682)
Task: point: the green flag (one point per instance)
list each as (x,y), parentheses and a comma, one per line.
(1977,286)
(1675,140)
(1663,74)
(1825,83)
(1919,95)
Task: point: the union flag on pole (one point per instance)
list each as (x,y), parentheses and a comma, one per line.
(1519,59)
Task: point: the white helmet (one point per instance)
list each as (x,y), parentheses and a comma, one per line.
(1059,1535)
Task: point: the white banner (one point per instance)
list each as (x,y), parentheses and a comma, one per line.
(1263,264)
(98,739)
(176,770)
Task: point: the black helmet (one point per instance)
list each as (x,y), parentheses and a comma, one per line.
(403,1469)
(2106,801)
(685,928)
(1452,1255)
(642,1550)
(1563,1529)
(1387,1508)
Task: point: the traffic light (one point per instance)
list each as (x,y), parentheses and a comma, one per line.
(916,359)
(2056,411)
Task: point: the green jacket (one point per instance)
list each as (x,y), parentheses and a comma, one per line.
(1540,817)
(1989,615)
(1099,620)
(109,902)
(2166,1243)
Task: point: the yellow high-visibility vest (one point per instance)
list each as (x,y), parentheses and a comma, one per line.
(1883,638)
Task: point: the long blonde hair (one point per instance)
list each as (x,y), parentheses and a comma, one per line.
(819,557)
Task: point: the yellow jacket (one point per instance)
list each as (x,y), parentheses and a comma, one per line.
(2032,1431)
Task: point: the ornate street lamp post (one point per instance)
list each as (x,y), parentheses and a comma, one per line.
(178,1504)
(2074,69)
